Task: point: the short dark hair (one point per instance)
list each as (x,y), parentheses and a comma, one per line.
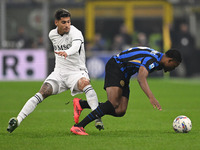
(175,54)
(62,13)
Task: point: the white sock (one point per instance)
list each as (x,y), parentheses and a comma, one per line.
(29,107)
(91,97)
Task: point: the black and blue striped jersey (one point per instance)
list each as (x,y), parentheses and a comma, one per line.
(131,59)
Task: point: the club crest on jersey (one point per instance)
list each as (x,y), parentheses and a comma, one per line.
(61,47)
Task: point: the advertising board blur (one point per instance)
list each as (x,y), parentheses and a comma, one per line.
(96,64)
(23,65)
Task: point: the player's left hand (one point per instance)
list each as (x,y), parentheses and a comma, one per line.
(62,53)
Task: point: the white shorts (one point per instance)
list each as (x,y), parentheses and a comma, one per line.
(63,80)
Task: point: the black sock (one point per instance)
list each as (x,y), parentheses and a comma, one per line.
(84,104)
(103,109)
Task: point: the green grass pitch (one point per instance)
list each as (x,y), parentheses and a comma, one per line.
(142,128)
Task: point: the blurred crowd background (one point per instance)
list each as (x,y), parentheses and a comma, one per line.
(108,28)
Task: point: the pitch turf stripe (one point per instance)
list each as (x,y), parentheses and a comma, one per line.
(194,81)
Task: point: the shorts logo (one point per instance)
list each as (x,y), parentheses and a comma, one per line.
(122,83)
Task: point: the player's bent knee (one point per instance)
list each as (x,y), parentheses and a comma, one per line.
(83,82)
(86,83)
(115,104)
(120,114)
(47,89)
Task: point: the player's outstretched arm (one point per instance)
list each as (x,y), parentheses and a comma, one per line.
(72,50)
(142,80)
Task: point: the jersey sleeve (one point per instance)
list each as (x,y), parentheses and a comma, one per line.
(77,35)
(76,44)
(149,63)
(77,40)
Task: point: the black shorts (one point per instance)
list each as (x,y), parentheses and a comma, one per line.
(115,77)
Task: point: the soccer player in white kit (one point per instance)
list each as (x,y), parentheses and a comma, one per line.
(70,71)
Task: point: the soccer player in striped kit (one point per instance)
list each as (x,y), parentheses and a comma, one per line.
(119,69)
(70,71)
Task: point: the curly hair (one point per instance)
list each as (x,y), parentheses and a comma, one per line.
(175,54)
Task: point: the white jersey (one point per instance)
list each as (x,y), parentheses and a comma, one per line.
(76,57)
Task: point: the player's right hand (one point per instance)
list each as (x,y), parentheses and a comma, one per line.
(155,103)
(62,53)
